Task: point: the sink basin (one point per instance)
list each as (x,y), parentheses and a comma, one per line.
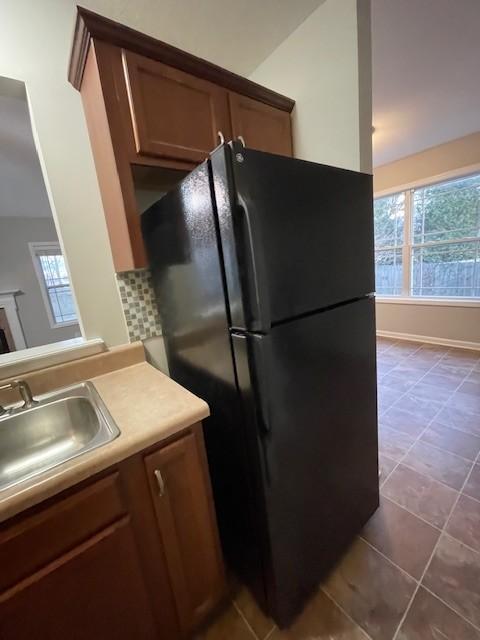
(64,424)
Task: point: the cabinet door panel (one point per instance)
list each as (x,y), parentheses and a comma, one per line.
(175,115)
(262,127)
(43,536)
(95,591)
(179,487)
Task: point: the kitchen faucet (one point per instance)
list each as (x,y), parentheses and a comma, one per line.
(25,393)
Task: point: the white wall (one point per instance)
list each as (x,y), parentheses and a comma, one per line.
(35,39)
(440,323)
(325,66)
(17,272)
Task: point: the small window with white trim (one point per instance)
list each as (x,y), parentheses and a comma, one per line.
(54,283)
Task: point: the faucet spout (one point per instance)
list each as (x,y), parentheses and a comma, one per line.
(26,393)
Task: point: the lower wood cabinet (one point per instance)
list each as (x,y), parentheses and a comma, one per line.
(185,519)
(133,553)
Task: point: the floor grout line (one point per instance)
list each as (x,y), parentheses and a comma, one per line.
(457,497)
(467,495)
(389,560)
(271,632)
(433,553)
(345,613)
(412,513)
(437,448)
(441,531)
(464,544)
(380,484)
(426,475)
(416,580)
(429,423)
(459,492)
(449,606)
(415,440)
(244,619)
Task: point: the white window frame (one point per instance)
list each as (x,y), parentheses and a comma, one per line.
(35,247)
(408,245)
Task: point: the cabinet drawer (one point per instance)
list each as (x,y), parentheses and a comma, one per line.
(174,115)
(41,537)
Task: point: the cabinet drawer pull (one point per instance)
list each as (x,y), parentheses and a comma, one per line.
(160,482)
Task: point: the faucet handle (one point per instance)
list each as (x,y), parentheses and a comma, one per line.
(24,391)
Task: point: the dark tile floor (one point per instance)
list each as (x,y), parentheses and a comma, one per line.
(414,572)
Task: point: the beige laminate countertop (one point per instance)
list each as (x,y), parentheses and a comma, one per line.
(147,407)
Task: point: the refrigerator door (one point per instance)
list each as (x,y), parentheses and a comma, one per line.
(181,240)
(296,236)
(312,386)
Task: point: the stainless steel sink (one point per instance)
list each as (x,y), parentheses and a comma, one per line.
(64,424)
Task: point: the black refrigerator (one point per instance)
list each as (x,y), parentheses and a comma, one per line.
(263,271)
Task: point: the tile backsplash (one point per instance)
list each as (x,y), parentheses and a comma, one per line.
(139,305)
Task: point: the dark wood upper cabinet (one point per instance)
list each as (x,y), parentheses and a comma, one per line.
(187,527)
(148,103)
(174,114)
(261,126)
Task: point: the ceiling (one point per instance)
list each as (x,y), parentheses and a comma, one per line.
(235,34)
(426,65)
(22,188)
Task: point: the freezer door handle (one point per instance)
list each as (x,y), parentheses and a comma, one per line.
(253,276)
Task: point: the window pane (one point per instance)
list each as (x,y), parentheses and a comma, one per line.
(63,307)
(389,213)
(447,211)
(388,271)
(447,270)
(54,270)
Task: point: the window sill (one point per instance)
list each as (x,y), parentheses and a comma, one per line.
(439,302)
(62,325)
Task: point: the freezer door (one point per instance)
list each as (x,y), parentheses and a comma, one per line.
(296,236)
(312,384)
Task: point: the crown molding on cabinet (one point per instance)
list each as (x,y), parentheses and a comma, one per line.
(90,25)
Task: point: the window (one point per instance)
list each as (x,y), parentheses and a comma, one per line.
(54,283)
(389,236)
(427,241)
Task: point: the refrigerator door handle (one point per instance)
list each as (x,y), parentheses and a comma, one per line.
(261,386)
(264,421)
(250,372)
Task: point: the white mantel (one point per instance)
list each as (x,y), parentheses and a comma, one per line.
(9,303)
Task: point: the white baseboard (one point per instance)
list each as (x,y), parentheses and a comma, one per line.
(445,342)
